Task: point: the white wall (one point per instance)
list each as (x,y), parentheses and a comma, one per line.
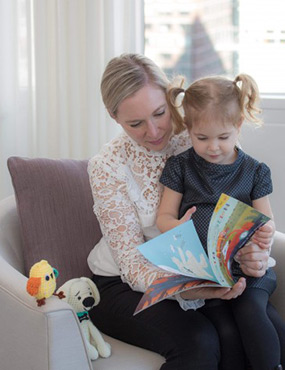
(267,144)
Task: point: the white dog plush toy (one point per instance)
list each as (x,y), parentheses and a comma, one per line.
(82,294)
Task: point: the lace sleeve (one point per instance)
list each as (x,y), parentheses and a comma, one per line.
(120,224)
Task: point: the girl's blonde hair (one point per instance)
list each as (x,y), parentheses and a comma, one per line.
(125,75)
(216,98)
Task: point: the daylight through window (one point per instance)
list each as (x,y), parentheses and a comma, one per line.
(202,37)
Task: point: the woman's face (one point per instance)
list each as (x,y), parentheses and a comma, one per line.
(145,117)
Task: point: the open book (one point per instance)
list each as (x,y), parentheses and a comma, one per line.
(180,252)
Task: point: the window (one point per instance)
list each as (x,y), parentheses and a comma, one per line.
(202,37)
(228,37)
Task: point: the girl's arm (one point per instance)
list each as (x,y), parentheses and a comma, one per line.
(167,215)
(264,235)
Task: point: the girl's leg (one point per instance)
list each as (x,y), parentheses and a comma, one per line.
(232,353)
(279,325)
(187,339)
(259,336)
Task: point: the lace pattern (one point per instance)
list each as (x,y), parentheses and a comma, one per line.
(124,180)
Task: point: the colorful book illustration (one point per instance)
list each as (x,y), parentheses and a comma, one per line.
(180,252)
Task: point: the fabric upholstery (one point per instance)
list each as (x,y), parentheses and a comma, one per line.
(21,346)
(32,337)
(57,222)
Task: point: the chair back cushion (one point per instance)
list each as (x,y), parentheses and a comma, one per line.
(55,208)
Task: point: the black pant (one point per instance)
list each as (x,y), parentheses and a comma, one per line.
(207,338)
(262,331)
(187,339)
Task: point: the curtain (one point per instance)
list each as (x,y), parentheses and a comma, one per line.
(53,54)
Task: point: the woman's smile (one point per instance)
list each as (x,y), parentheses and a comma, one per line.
(145,117)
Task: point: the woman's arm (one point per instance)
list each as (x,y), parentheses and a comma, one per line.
(120,224)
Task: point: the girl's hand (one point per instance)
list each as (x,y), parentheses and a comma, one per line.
(220,293)
(263,236)
(188,214)
(168,211)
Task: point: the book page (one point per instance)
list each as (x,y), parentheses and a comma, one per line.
(168,286)
(179,251)
(232,225)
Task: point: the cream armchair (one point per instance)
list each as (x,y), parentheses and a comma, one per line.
(47,337)
(53,220)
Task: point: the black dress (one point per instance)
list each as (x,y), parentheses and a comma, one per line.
(202,183)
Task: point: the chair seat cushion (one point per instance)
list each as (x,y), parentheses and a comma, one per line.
(55,204)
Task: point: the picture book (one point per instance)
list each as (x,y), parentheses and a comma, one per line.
(180,252)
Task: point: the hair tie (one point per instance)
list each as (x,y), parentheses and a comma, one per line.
(179,99)
(237,82)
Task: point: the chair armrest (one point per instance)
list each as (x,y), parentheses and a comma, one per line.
(278,253)
(10,235)
(279,241)
(47,337)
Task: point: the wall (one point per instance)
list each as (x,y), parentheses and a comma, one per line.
(267,145)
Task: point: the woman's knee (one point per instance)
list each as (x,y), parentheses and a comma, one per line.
(206,335)
(250,304)
(201,350)
(201,340)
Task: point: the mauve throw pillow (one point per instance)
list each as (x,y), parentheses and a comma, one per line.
(55,203)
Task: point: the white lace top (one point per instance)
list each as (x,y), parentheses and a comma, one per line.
(125,184)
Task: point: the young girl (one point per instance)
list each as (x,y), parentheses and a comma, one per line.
(214,110)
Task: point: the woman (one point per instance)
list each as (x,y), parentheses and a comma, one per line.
(124,179)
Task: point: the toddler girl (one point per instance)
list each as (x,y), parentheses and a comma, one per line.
(214,111)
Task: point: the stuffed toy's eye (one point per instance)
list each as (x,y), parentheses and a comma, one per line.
(79,298)
(55,272)
(47,277)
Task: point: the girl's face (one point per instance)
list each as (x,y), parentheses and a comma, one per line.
(145,117)
(215,142)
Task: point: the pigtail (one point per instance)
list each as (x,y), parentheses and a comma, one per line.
(249,98)
(174,102)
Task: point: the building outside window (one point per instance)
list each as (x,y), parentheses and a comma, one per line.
(197,38)
(203,37)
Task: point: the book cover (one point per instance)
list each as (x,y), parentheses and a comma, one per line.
(180,252)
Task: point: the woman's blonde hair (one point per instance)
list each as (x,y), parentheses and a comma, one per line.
(125,75)
(216,98)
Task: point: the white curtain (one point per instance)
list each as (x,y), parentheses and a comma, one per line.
(52,56)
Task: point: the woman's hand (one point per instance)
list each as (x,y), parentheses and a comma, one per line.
(211,293)
(253,257)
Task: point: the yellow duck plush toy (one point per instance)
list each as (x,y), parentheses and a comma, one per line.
(42,282)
